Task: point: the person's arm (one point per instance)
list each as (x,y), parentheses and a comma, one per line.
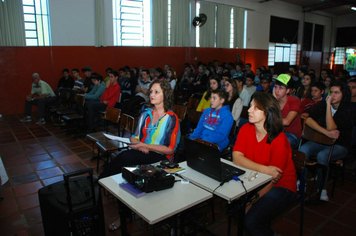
(330,123)
(201,103)
(237,109)
(314,125)
(290,117)
(240,160)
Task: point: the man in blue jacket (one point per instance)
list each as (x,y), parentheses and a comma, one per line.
(215,123)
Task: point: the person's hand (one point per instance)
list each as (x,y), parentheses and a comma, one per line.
(28,98)
(105,102)
(275,172)
(304,116)
(333,134)
(143,147)
(328,100)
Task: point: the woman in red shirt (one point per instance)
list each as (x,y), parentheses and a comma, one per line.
(262,146)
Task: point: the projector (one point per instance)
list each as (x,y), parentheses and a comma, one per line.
(148,178)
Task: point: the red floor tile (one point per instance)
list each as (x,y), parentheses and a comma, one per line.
(36,152)
(311,220)
(33,216)
(11,224)
(8,207)
(28,188)
(19,170)
(61,153)
(48,173)
(6,193)
(81,149)
(334,228)
(28,202)
(73,166)
(347,217)
(24,179)
(68,159)
(15,162)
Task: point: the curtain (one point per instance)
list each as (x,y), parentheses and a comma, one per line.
(207,31)
(160,22)
(100,39)
(180,24)
(239,24)
(223,26)
(12,27)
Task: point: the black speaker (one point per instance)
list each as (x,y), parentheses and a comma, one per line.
(73,206)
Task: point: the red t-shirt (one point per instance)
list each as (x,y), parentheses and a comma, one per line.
(293,104)
(278,153)
(111,94)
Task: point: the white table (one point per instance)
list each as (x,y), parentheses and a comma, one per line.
(157,206)
(231,190)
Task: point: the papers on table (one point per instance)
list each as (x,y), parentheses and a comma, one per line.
(120,139)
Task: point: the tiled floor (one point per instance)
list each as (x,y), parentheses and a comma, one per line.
(36,156)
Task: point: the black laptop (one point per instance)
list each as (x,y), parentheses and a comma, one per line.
(206,160)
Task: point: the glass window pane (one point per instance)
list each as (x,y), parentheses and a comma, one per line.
(131,3)
(38,6)
(130,16)
(31,34)
(131,36)
(279,54)
(39,30)
(44,7)
(286,56)
(27,9)
(130,30)
(31,42)
(131,23)
(27,2)
(30,26)
(29,17)
(45,30)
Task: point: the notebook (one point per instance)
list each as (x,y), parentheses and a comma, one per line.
(206,160)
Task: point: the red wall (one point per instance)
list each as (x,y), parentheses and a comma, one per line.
(18,63)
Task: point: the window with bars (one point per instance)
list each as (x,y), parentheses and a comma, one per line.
(37,24)
(282,52)
(132,22)
(339,55)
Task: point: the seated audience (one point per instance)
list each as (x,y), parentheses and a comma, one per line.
(327,83)
(234,101)
(317,92)
(132,106)
(225,76)
(249,87)
(107,71)
(214,83)
(172,77)
(262,146)
(41,94)
(304,91)
(159,73)
(257,79)
(199,85)
(78,84)
(128,86)
(155,138)
(98,89)
(87,85)
(244,95)
(333,117)
(108,99)
(215,123)
(290,106)
(266,84)
(66,81)
(248,71)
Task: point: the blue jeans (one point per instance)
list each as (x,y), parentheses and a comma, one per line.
(322,152)
(293,140)
(259,217)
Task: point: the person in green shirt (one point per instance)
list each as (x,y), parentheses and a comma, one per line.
(41,95)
